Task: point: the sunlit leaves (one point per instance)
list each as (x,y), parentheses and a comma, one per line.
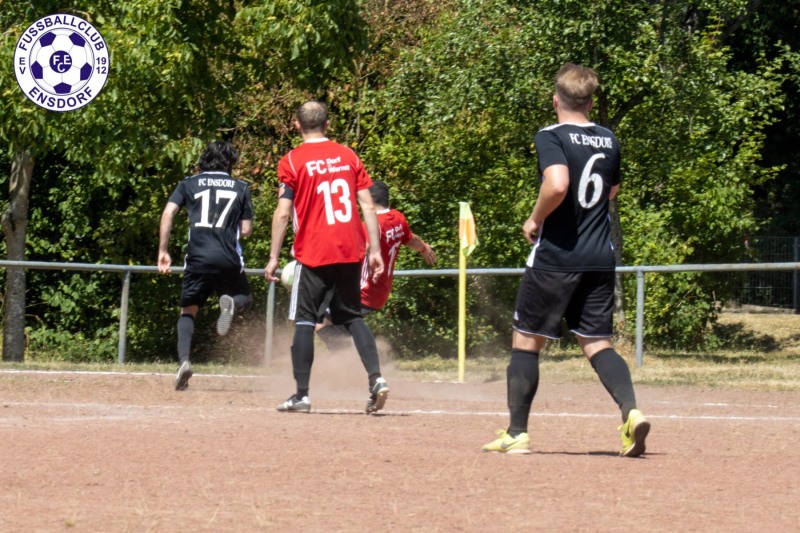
(461,110)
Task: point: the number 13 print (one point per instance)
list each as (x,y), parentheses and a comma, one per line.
(340,190)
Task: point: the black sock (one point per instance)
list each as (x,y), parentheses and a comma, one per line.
(367,350)
(522,378)
(185,332)
(302,357)
(335,337)
(615,376)
(241,303)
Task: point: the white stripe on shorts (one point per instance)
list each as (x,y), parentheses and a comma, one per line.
(298,269)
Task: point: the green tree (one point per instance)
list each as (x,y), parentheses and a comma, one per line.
(178,70)
(460,111)
(772,31)
(111,143)
(442,100)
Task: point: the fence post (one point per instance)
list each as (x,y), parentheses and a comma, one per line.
(123,317)
(270,323)
(639,318)
(796,277)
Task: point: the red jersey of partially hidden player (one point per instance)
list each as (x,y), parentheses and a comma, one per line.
(325,177)
(394,233)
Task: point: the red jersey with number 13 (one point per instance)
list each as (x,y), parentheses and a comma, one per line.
(325,177)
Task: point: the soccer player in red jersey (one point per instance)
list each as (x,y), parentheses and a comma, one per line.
(322,186)
(395,233)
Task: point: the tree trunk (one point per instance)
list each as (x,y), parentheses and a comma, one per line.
(15,224)
(616,240)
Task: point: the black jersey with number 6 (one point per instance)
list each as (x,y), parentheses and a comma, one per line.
(576,236)
(215,203)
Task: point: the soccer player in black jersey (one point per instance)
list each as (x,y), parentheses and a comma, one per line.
(570,271)
(220,213)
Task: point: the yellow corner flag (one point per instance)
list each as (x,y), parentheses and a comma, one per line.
(466,229)
(469,240)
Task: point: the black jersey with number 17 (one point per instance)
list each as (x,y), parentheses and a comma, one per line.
(576,236)
(215,203)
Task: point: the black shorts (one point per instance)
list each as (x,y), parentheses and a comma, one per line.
(364,312)
(197,287)
(333,288)
(584,299)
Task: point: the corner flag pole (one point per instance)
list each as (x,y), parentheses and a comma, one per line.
(468,241)
(462,314)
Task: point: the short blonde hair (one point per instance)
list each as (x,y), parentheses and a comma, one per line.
(575,86)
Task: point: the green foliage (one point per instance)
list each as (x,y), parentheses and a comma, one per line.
(460,110)
(454,115)
(772,32)
(80,347)
(100,172)
(308,39)
(690,176)
(184,72)
(442,100)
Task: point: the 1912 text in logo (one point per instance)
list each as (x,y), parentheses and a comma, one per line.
(61,62)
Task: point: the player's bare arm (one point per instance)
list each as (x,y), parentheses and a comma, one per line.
(164,231)
(245,228)
(552,192)
(373,231)
(280,221)
(613,192)
(418,245)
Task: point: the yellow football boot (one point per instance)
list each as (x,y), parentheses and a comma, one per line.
(633,432)
(505,443)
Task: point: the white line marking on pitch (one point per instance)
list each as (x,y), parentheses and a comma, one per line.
(114,412)
(403,413)
(122,374)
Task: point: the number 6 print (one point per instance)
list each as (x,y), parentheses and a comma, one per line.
(595,179)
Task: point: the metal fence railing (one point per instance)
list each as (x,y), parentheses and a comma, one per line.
(770,288)
(639,271)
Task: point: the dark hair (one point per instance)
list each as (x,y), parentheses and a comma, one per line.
(312,116)
(380,193)
(220,156)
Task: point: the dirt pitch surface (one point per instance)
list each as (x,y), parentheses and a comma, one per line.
(106,452)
